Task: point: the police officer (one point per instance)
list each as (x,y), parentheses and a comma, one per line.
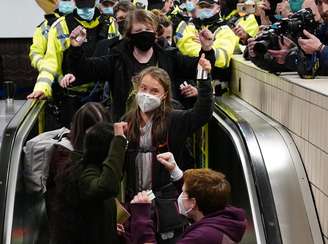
(53,67)
(106,7)
(188,33)
(243,24)
(55,62)
(40,36)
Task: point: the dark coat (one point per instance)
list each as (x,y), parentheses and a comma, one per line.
(180,125)
(85,204)
(118,65)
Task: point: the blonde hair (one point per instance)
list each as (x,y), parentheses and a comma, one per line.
(140,16)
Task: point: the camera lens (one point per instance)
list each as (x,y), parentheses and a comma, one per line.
(261,47)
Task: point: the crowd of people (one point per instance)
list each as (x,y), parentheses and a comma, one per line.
(133,81)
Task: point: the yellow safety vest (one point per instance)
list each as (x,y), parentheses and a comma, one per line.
(39,45)
(58,42)
(224,43)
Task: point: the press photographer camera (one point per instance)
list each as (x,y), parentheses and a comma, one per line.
(274,49)
(292,27)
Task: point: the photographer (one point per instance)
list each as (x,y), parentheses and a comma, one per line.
(316,45)
(272,60)
(310,58)
(273,51)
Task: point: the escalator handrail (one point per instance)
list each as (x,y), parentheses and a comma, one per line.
(258,170)
(292,171)
(315,228)
(6,152)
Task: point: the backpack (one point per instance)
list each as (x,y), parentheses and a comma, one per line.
(38,153)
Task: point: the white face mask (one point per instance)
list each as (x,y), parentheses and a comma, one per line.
(147,102)
(181,207)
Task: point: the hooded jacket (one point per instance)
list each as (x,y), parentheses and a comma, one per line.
(226,226)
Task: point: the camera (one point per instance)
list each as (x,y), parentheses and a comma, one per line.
(292,26)
(299,21)
(267,39)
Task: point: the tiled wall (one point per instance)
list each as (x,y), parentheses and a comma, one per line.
(15,65)
(298,105)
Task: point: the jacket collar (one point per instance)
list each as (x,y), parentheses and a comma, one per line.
(88,24)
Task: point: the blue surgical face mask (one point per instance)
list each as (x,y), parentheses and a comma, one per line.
(295,5)
(205,13)
(86,13)
(190,6)
(65,7)
(108,11)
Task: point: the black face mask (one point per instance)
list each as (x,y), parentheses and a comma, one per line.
(143,40)
(121,26)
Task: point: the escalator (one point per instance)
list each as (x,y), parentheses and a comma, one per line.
(266,172)
(22,215)
(257,155)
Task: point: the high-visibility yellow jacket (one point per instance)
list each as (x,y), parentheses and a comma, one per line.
(58,43)
(40,40)
(224,42)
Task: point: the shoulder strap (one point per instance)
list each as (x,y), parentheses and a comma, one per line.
(71,22)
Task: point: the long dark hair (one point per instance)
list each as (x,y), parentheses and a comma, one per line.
(96,143)
(133,117)
(88,115)
(68,202)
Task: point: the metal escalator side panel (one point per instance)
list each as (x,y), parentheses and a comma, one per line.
(258,185)
(252,192)
(301,174)
(15,160)
(11,166)
(5,154)
(295,212)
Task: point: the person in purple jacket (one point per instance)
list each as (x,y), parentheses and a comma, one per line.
(204,200)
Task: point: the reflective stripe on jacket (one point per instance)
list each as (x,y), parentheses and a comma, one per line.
(224,43)
(39,45)
(58,43)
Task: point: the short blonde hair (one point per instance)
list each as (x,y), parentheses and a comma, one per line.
(140,16)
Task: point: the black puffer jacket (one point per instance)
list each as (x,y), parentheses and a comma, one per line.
(117,68)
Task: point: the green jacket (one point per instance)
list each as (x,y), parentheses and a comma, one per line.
(85,209)
(98,188)
(103,183)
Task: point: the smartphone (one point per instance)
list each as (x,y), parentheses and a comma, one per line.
(246,8)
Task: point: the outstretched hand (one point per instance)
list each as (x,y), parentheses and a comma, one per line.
(141,197)
(67,80)
(311,44)
(120,128)
(205,64)
(206,39)
(78,36)
(168,161)
(36,95)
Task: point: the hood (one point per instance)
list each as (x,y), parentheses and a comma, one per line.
(231,221)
